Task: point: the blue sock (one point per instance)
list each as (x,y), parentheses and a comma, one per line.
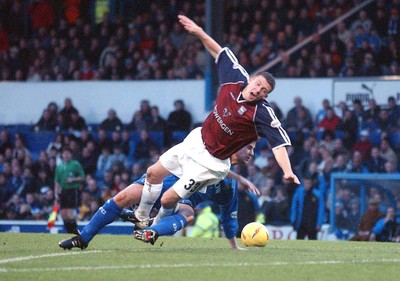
(169,225)
(106,214)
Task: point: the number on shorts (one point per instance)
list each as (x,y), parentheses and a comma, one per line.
(192,186)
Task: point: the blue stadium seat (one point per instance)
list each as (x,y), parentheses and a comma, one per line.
(375,137)
(156,136)
(23,128)
(292,136)
(179,136)
(394,138)
(319,135)
(36,142)
(260,144)
(339,134)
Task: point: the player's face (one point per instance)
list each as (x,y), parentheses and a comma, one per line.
(246,153)
(257,89)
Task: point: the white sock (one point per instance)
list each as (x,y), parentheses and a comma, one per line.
(162,213)
(150,194)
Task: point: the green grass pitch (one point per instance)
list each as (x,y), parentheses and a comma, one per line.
(38,257)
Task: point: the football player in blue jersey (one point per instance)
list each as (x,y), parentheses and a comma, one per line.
(223,193)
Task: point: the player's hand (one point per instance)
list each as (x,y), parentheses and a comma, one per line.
(189,25)
(248,185)
(291,178)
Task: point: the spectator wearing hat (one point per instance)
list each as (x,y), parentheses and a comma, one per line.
(368,221)
(363,146)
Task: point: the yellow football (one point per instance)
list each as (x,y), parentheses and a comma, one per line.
(255,234)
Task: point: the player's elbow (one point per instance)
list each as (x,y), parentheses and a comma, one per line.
(189,218)
(187,212)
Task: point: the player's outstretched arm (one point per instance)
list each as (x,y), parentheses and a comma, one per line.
(248,185)
(209,43)
(282,158)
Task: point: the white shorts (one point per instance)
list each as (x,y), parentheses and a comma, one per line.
(194,165)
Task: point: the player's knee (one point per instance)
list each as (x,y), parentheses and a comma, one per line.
(187,212)
(128,196)
(167,202)
(189,218)
(120,199)
(152,175)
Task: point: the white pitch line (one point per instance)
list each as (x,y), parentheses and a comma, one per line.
(154,266)
(17,259)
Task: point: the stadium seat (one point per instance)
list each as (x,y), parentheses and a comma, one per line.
(292,136)
(156,136)
(93,128)
(339,134)
(179,136)
(375,137)
(36,142)
(260,144)
(394,138)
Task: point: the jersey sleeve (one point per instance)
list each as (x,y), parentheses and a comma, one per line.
(229,69)
(268,126)
(229,214)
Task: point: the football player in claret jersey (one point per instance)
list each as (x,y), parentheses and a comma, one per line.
(240,116)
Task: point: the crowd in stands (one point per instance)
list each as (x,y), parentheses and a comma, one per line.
(111,153)
(48,40)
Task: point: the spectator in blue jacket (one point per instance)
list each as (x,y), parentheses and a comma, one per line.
(386,229)
(308,210)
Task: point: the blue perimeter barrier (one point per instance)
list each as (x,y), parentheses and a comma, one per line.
(120,228)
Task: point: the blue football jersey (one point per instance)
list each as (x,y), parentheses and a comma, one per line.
(224,194)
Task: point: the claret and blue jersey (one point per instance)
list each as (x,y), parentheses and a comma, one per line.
(234,122)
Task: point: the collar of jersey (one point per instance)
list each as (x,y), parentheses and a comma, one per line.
(240,98)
